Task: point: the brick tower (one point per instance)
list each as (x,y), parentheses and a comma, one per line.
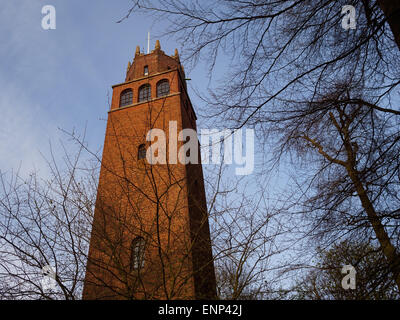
(150,235)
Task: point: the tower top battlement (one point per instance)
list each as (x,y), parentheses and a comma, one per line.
(156,61)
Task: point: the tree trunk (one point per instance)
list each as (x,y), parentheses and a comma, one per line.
(391,9)
(388,249)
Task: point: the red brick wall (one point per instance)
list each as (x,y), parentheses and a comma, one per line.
(164,204)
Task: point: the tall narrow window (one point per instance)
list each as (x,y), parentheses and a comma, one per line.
(162,88)
(137,253)
(146,70)
(144,92)
(141,152)
(126,97)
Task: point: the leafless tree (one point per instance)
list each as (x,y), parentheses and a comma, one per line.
(48,222)
(244,231)
(320,96)
(324,280)
(45,222)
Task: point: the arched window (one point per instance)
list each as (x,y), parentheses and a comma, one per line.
(141,152)
(144,92)
(126,97)
(137,253)
(162,88)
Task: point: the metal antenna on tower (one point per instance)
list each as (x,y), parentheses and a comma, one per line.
(148,42)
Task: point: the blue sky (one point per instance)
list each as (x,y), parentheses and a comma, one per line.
(61,78)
